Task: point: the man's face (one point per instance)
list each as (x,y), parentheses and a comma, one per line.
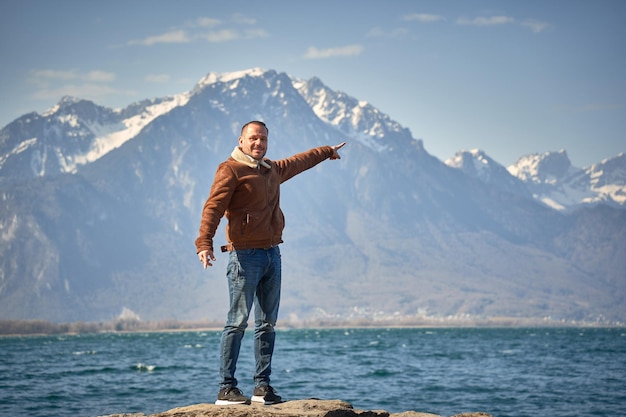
(254,141)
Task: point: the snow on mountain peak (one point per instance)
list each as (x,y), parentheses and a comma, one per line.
(554,181)
(477,164)
(608,179)
(474,162)
(356,118)
(224,77)
(112,137)
(545,168)
(64,102)
(107,135)
(462,156)
(94,131)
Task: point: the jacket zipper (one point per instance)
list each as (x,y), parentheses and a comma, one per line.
(267,200)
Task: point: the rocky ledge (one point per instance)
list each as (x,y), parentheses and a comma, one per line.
(298,408)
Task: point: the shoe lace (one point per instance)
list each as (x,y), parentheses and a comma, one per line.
(234,390)
(264,390)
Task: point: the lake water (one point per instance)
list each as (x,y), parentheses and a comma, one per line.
(506,372)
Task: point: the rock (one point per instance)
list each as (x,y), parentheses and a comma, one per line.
(472,415)
(297,408)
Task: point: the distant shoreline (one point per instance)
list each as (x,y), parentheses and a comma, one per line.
(11,328)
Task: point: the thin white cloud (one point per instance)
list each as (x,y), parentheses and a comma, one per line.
(349,50)
(157,78)
(423,17)
(99,76)
(226,35)
(242,19)
(485,20)
(255,33)
(206,22)
(52,84)
(223,35)
(195,31)
(535,25)
(378,32)
(87,90)
(174,36)
(46,76)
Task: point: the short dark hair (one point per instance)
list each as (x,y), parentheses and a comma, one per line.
(254,122)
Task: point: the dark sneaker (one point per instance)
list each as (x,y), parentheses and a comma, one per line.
(266,395)
(231,396)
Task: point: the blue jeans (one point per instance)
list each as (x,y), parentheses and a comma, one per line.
(254,277)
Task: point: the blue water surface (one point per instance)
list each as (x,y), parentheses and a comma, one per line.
(514,372)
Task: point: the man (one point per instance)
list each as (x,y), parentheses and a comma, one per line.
(246,189)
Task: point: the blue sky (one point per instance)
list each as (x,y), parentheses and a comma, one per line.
(508,77)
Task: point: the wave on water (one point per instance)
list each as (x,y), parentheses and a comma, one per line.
(85,352)
(142,367)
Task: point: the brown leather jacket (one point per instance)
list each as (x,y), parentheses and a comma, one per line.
(248,193)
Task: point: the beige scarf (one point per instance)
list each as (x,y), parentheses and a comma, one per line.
(246,159)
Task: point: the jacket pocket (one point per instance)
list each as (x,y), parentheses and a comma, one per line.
(245,222)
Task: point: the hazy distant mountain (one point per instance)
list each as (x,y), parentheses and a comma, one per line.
(72,133)
(551,178)
(101,208)
(478,164)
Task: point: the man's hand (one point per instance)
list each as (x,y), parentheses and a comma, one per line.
(335,149)
(206,256)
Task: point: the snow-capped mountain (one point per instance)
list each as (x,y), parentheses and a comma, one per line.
(73,133)
(101,208)
(358,120)
(550,178)
(476,163)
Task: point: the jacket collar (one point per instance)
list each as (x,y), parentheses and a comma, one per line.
(246,159)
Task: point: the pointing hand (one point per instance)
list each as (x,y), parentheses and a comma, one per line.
(335,149)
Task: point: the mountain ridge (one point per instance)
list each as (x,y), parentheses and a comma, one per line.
(387,230)
(550,178)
